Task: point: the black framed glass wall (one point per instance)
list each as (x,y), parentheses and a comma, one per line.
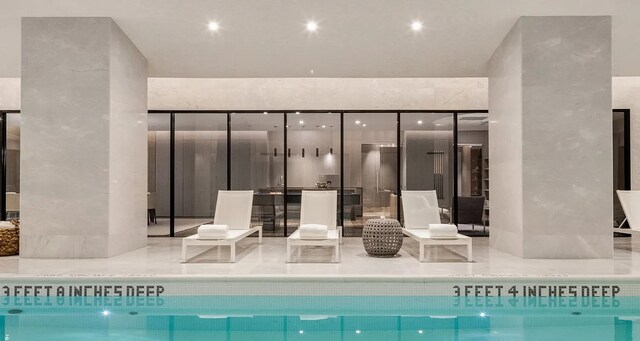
(200,168)
(313,162)
(159,175)
(370,168)
(258,157)
(13,166)
(427,141)
(473,174)
(621,161)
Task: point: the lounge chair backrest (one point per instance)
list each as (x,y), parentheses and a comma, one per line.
(420,208)
(319,207)
(630,201)
(233,208)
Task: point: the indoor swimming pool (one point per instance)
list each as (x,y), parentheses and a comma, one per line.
(257,317)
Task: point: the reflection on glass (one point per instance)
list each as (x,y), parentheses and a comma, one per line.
(200,168)
(370,168)
(257,163)
(314,161)
(619,164)
(473,173)
(13,166)
(427,156)
(158,174)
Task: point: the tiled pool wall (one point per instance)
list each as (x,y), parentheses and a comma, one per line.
(458,286)
(320,296)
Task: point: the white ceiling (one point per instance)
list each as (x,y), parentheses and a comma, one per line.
(357,38)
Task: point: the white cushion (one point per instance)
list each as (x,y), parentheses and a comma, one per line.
(443,230)
(213,231)
(313,231)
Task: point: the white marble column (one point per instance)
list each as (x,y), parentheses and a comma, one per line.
(550,136)
(84,139)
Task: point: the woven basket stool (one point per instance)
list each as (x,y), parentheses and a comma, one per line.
(382,237)
(9,241)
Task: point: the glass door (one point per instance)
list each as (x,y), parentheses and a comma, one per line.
(313,159)
(473,174)
(370,169)
(200,168)
(427,157)
(621,161)
(258,159)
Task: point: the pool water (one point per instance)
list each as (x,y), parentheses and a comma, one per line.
(320,318)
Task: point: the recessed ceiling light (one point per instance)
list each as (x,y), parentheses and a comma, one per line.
(419,122)
(312,26)
(364,124)
(416,26)
(301,122)
(264,113)
(297,113)
(213,26)
(357,122)
(324,126)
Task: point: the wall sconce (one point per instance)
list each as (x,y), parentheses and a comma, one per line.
(317,153)
(302,152)
(330,151)
(275,152)
(288,152)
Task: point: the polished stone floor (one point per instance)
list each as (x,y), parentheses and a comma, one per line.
(162,257)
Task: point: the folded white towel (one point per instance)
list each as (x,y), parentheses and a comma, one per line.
(313,231)
(443,230)
(213,231)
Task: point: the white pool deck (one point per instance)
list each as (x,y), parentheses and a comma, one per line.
(162,257)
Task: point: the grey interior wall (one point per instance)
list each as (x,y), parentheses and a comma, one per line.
(306,171)
(13,170)
(200,171)
(419,166)
(252,160)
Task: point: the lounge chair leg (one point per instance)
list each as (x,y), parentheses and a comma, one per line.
(421,252)
(260,236)
(184,252)
(336,252)
(469,250)
(288,252)
(233,252)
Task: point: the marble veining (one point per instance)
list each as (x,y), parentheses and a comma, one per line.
(551,137)
(83,139)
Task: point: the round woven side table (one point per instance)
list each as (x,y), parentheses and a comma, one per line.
(382,237)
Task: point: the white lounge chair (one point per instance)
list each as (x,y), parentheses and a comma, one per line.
(420,208)
(318,207)
(630,201)
(233,209)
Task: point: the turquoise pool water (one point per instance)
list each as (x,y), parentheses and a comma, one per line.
(320,318)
